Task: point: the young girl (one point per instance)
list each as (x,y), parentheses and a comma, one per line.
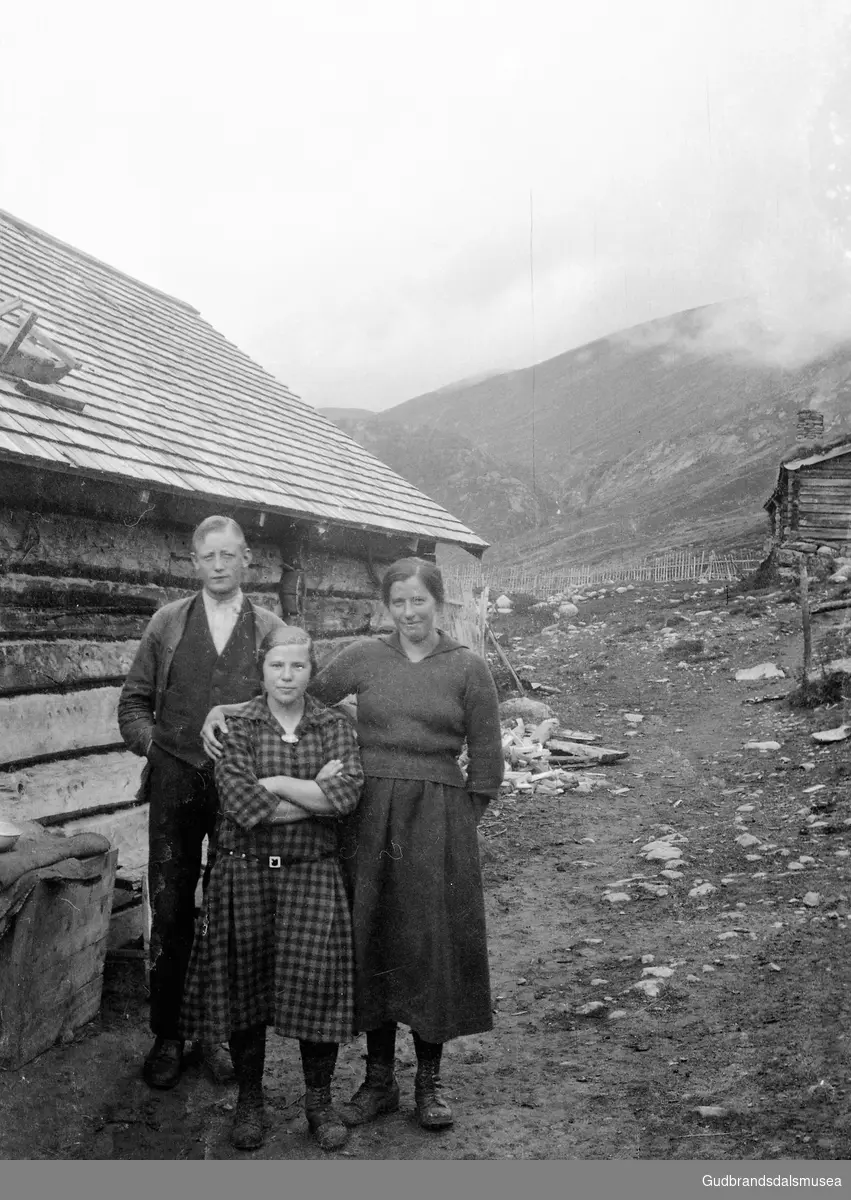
(274,940)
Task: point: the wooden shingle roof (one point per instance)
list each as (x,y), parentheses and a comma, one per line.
(170,403)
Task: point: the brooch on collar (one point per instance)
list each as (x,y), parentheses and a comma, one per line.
(289,737)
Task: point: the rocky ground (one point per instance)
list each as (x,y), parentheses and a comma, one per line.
(694,1007)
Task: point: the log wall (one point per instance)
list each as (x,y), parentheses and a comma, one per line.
(83,567)
(817,503)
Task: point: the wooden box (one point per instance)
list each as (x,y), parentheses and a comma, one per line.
(51,961)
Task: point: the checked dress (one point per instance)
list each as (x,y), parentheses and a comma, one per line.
(273,944)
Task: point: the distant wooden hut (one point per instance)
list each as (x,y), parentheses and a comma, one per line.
(125,419)
(811,503)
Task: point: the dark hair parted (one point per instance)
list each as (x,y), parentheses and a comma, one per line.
(287,635)
(216,524)
(406,568)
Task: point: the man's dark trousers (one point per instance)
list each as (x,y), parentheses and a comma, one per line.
(183,806)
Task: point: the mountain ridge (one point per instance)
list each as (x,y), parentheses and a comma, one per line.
(648,438)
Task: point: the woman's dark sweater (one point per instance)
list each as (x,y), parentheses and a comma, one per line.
(413,717)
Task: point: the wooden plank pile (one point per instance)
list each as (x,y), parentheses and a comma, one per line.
(545,759)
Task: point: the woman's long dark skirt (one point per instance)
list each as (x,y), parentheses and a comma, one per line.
(411,859)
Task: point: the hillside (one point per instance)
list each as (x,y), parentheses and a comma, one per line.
(494,499)
(645,439)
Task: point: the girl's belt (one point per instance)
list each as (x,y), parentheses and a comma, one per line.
(271,860)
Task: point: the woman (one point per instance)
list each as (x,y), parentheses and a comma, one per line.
(273,945)
(410,851)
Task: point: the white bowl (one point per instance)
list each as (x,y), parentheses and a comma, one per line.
(9,834)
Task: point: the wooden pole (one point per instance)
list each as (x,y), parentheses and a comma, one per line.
(805,617)
(503,658)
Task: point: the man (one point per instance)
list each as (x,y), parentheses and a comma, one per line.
(195,652)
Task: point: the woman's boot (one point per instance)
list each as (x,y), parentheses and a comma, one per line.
(318,1060)
(248,1051)
(379,1092)
(432,1111)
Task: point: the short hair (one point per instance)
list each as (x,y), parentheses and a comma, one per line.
(409,568)
(287,635)
(216,524)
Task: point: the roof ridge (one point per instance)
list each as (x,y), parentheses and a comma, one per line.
(26,227)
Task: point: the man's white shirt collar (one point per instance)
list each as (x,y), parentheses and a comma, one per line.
(222,616)
(213,605)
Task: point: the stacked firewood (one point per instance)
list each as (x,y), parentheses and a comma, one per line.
(548,760)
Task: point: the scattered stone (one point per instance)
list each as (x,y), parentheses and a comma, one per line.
(633,718)
(599,982)
(617,897)
(706,968)
(762,746)
(672,874)
(661,851)
(711,1110)
(795,866)
(703,889)
(655,889)
(811,899)
(725,937)
(648,958)
(594,1008)
(650,987)
(618,1014)
(658,972)
(839,734)
(747,839)
(761,671)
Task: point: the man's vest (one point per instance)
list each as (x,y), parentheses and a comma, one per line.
(201,677)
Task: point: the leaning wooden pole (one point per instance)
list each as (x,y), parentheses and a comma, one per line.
(503,658)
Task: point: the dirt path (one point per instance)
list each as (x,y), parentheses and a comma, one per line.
(752,1008)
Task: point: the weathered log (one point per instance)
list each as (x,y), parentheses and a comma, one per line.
(70,785)
(63,544)
(61,623)
(37,725)
(79,616)
(581,750)
(40,592)
(33,665)
(830,606)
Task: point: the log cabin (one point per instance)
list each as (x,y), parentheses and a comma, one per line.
(125,419)
(811,502)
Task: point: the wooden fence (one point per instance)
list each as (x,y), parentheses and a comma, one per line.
(678,566)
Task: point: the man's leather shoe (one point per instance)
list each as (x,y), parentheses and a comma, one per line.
(164,1063)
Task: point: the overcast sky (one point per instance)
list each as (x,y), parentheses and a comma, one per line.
(343,188)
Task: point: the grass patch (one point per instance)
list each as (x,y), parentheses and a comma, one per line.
(829,688)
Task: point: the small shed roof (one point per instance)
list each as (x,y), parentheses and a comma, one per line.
(822,456)
(168,402)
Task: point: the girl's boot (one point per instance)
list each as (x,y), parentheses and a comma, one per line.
(324,1121)
(248,1051)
